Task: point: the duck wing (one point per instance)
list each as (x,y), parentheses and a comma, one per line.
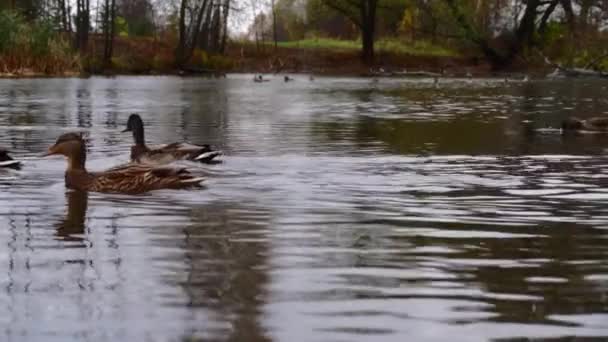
(200,153)
(598,123)
(138,178)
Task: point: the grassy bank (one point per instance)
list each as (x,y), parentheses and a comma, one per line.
(342,57)
(417,48)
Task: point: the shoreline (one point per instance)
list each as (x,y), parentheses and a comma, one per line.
(417,73)
(418,67)
(246,59)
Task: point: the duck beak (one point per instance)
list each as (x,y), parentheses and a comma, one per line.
(125,130)
(49,152)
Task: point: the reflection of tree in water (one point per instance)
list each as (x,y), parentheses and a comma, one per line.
(204,119)
(505,269)
(84,105)
(403,136)
(227,254)
(73,224)
(495,120)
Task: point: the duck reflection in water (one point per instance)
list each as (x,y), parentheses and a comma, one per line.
(71,228)
(225,274)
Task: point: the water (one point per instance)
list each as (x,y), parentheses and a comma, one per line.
(345,210)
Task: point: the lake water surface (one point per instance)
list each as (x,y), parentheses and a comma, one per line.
(344,210)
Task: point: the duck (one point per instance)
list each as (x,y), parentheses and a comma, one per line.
(7,162)
(259,79)
(130,178)
(140,153)
(596,124)
(287,78)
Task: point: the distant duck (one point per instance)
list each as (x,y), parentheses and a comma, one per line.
(140,153)
(7,162)
(596,124)
(259,79)
(128,179)
(288,79)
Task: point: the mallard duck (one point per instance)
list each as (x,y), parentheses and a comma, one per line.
(140,153)
(591,125)
(259,79)
(128,179)
(7,162)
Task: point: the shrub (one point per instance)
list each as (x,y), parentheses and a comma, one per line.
(33,47)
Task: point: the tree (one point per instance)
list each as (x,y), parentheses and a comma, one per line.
(139,16)
(363,14)
(529,23)
(274,24)
(83,24)
(109,26)
(202,24)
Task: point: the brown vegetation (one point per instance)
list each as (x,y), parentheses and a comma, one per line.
(246,58)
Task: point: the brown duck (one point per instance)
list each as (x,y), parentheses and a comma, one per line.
(7,162)
(140,153)
(128,179)
(596,124)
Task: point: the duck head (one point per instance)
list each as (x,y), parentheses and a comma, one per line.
(135,125)
(4,156)
(72,146)
(572,124)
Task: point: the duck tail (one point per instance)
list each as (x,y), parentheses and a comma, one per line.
(10,163)
(207,156)
(192,182)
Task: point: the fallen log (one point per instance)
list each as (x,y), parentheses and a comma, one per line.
(383,73)
(561,71)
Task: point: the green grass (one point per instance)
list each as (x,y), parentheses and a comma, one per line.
(419,48)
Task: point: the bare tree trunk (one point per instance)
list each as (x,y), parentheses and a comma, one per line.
(363,14)
(542,28)
(79,20)
(567,6)
(106,31)
(63,14)
(225,26)
(69,10)
(585,11)
(204,32)
(86,24)
(368,28)
(112,29)
(491,54)
(215,29)
(274,25)
(181,44)
(196,29)
(82,24)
